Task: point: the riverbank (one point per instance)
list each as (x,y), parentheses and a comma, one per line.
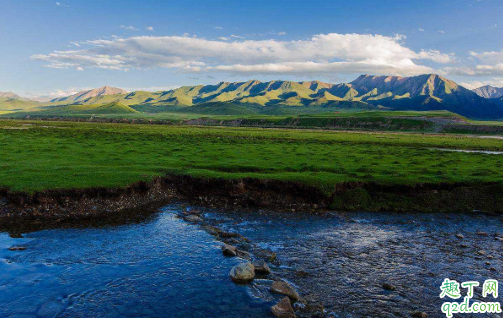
(53,206)
(59,170)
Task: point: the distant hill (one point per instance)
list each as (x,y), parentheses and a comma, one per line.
(424,92)
(367,92)
(8,95)
(489,91)
(78,109)
(86,95)
(13,102)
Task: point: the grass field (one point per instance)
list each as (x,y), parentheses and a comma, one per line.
(402,121)
(37,155)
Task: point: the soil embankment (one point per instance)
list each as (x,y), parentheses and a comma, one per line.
(75,204)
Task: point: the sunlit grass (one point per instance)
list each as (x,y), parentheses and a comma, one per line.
(49,155)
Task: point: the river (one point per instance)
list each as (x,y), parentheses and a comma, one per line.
(162,266)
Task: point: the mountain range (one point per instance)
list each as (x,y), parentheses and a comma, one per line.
(489,91)
(87,94)
(423,92)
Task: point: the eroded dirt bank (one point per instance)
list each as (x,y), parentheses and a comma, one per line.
(74,204)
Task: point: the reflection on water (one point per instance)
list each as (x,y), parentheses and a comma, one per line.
(487,152)
(344,258)
(162,267)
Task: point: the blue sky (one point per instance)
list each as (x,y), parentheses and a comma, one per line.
(55,48)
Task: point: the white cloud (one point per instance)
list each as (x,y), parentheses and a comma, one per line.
(65,92)
(80,68)
(61,4)
(437,56)
(150,29)
(129,28)
(322,53)
(486,64)
(218,28)
(281,33)
(152,88)
(420,30)
(495,82)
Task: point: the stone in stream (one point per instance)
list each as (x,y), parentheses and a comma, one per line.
(193,218)
(261,267)
(309,308)
(282,288)
(480,233)
(244,255)
(242,273)
(419,314)
(267,255)
(211,229)
(229,250)
(460,236)
(388,286)
(17,248)
(283,309)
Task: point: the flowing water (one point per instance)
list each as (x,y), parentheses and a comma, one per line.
(162,266)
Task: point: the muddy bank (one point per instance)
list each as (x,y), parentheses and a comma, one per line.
(74,204)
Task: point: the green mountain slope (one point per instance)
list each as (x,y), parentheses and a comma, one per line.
(109,108)
(17,104)
(367,92)
(425,92)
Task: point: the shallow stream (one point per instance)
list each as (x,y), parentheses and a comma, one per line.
(162,266)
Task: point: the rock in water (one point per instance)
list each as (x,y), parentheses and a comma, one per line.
(229,250)
(388,286)
(283,309)
(283,288)
(419,314)
(243,273)
(267,255)
(193,218)
(17,248)
(261,267)
(460,236)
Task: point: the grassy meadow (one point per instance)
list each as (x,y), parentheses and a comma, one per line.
(38,155)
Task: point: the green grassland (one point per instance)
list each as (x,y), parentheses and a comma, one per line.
(39,155)
(219,114)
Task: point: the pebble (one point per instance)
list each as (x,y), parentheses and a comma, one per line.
(17,248)
(193,218)
(261,267)
(283,309)
(229,250)
(283,288)
(242,273)
(388,286)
